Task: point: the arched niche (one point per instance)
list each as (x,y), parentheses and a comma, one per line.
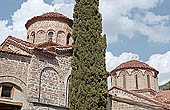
(40,36)
(32,35)
(61,38)
(68,39)
(49,86)
(122,79)
(140,81)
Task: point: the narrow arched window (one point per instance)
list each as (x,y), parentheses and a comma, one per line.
(50,36)
(136,78)
(148,81)
(124,81)
(33,37)
(68,38)
(27,36)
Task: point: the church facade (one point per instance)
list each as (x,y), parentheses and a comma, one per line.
(35,73)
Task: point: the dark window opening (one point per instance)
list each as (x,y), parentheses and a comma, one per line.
(33,36)
(6,91)
(136,77)
(68,38)
(50,35)
(27,36)
(124,81)
(148,80)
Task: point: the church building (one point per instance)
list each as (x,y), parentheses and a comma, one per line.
(135,87)
(34,74)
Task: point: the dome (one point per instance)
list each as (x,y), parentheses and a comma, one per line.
(134,64)
(49,16)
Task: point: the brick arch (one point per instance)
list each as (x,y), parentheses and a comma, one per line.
(13,80)
(123,72)
(41,36)
(148,72)
(49,86)
(137,71)
(61,37)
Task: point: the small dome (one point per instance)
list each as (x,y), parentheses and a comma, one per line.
(134,64)
(49,16)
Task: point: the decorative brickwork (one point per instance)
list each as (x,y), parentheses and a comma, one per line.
(41,29)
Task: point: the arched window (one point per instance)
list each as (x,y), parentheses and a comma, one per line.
(27,36)
(68,38)
(7,91)
(50,36)
(136,78)
(33,37)
(148,81)
(124,81)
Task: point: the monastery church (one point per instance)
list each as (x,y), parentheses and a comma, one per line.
(35,74)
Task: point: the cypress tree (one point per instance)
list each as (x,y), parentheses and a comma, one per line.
(88,83)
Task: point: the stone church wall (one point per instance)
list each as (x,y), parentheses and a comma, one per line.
(14,69)
(48,80)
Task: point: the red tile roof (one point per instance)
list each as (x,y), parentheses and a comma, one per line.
(49,16)
(46,47)
(164,105)
(134,64)
(107,74)
(163,96)
(49,43)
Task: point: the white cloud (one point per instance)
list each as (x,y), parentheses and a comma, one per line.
(113,61)
(29,9)
(119,18)
(65,9)
(162,63)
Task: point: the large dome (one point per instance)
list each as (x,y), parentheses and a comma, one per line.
(49,16)
(134,64)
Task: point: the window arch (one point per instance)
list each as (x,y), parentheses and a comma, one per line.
(27,36)
(61,38)
(50,36)
(136,78)
(124,81)
(33,36)
(68,38)
(148,81)
(49,77)
(7,90)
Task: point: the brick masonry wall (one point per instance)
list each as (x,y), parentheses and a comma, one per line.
(14,69)
(42,28)
(48,79)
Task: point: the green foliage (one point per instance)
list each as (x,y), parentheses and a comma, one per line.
(88,84)
(166,86)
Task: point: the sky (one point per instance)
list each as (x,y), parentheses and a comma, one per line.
(135,29)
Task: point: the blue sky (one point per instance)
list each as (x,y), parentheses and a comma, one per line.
(135,29)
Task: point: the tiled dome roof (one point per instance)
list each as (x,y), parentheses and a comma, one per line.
(49,16)
(134,64)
